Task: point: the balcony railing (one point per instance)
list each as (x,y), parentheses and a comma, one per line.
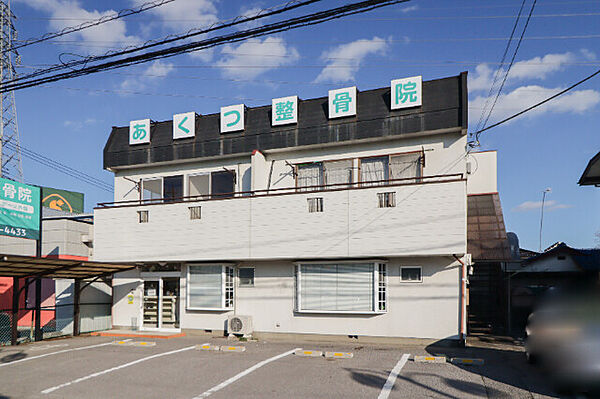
(289,190)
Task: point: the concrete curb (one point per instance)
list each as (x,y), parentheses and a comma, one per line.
(430,359)
(208,347)
(233,349)
(339,355)
(308,353)
(467,361)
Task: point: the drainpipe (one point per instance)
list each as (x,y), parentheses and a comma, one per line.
(463,302)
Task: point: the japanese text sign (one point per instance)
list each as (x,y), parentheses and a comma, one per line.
(232,118)
(19,209)
(184,125)
(342,102)
(406,92)
(284,110)
(139,132)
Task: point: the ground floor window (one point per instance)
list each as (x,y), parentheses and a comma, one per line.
(341,287)
(209,287)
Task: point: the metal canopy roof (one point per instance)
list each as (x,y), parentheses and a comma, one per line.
(31,266)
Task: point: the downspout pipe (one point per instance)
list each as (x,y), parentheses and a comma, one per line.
(463,301)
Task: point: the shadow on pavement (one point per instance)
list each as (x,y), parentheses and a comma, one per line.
(12,357)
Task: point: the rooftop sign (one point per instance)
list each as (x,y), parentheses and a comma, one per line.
(406,92)
(342,102)
(232,118)
(139,132)
(284,110)
(184,125)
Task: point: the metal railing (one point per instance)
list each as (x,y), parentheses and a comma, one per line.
(288,190)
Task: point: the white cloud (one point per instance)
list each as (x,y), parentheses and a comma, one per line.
(577,102)
(409,9)
(536,205)
(534,68)
(344,61)
(78,125)
(66,13)
(156,71)
(183,15)
(255,57)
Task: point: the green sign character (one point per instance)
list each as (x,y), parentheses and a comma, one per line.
(342,102)
(406,92)
(284,111)
(183,128)
(140,132)
(238,116)
(9,190)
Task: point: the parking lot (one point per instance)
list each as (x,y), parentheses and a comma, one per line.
(102,367)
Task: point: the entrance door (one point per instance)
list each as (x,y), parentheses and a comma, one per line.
(161,303)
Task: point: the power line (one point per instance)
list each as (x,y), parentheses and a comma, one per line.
(72,29)
(84,61)
(508,69)
(540,103)
(497,74)
(293,23)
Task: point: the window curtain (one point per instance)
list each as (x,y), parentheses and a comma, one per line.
(343,287)
(373,169)
(310,175)
(338,172)
(205,287)
(405,166)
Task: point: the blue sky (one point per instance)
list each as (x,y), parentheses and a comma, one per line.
(71,120)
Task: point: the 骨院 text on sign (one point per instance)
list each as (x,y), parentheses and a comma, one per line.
(19,209)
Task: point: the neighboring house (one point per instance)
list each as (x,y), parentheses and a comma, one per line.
(65,236)
(558,266)
(591,174)
(354,226)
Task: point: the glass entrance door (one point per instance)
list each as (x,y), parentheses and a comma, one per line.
(161,303)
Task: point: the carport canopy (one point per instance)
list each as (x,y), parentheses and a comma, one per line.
(31,266)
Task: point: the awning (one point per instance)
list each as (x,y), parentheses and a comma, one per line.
(31,266)
(591,174)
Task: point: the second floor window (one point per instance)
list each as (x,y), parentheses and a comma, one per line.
(173,188)
(309,175)
(402,168)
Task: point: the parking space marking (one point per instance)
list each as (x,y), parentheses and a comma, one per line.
(389,384)
(110,370)
(244,373)
(56,353)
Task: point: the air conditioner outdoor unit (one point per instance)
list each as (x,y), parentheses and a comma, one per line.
(239,325)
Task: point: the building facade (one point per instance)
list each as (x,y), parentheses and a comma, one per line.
(344,215)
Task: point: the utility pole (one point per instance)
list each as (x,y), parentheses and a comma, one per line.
(546,191)
(10,150)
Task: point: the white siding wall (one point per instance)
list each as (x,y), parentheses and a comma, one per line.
(429,219)
(421,310)
(483,176)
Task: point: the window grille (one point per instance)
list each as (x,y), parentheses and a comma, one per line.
(382,288)
(142,216)
(387,200)
(195,212)
(228,287)
(315,205)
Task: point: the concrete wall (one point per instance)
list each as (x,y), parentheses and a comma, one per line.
(428,219)
(483,178)
(421,310)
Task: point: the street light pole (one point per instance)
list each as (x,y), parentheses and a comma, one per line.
(548,190)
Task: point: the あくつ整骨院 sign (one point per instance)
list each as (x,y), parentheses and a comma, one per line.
(19,210)
(406,92)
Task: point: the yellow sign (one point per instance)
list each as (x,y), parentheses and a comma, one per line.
(130,299)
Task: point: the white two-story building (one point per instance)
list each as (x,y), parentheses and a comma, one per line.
(344,215)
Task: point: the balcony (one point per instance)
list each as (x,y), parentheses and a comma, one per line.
(424,216)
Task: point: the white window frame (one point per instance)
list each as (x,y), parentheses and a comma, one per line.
(420,281)
(375,288)
(195,174)
(162,188)
(224,267)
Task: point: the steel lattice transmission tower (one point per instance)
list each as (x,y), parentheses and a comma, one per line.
(10,151)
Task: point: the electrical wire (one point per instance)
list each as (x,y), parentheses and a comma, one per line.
(293,23)
(497,74)
(540,103)
(89,24)
(507,70)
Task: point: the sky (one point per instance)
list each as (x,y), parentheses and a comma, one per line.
(70,121)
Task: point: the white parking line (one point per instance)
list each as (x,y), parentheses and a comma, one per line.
(99,373)
(56,353)
(243,373)
(389,384)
